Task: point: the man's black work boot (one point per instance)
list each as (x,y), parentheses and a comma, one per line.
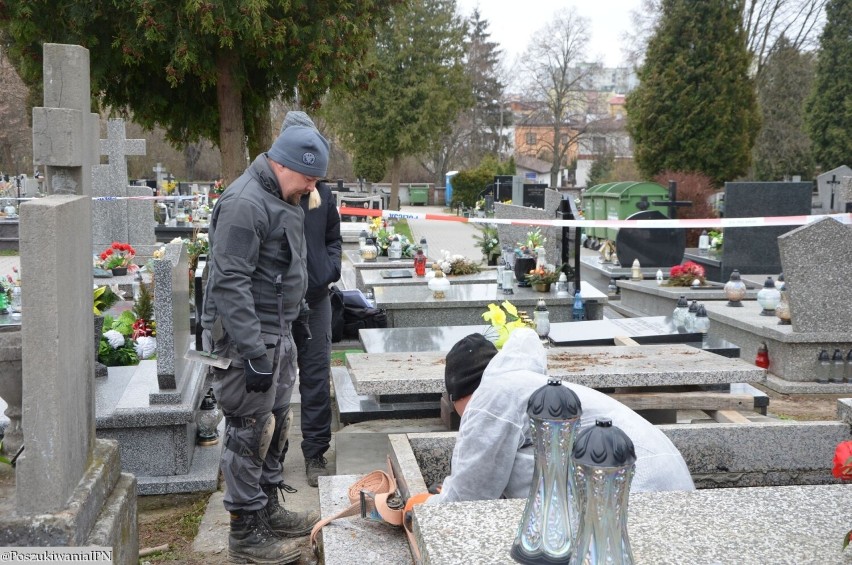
(314,468)
(283,522)
(252,541)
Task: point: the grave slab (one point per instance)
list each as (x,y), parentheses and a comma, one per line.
(792,355)
(464,304)
(596,367)
(647,298)
(356,540)
(704,526)
(390,278)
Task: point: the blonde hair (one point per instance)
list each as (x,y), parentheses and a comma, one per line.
(314,200)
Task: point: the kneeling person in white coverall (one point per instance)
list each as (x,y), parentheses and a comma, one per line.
(493,455)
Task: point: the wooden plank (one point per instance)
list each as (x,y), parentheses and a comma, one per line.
(708,401)
(728,417)
(624,340)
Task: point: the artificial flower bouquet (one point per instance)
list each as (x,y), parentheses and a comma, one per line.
(118,255)
(456,264)
(685,274)
(504,319)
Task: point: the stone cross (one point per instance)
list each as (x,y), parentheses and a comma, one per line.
(65,129)
(120,220)
(160,171)
(116,147)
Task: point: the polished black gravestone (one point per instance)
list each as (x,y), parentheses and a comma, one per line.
(533,195)
(754,250)
(653,247)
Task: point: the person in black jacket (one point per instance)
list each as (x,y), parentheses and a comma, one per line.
(322,234)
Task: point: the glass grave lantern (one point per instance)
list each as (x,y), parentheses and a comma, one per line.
(735,289)
(362,239)
(680,312)
(562,286)
(549,523)
(837,365)
(768,297)
(206,420)
(691,313)
(420,263)
(369,252)
(395,248)
(824,360)
(424,246)
(604,461)
(541,317)
(762,357)
(508,281)
(782,309)
(702,322)
(439,285)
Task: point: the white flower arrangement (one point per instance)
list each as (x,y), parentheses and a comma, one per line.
(145,346)
(114,338)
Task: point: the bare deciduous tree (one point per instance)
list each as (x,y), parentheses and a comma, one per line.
(555,81)
(765,22)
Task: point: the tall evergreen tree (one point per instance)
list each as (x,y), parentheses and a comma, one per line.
(418,88)
(695,109)
(829,108)
(782,148)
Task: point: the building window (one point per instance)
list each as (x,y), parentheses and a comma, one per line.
(531,140)
(598,144)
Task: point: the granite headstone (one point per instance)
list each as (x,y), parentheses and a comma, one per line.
(653,247)
(817,259)
(755,249)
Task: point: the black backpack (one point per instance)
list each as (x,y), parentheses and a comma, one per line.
(356,317)
(337,308)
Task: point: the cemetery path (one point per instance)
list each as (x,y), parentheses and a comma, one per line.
(455,237)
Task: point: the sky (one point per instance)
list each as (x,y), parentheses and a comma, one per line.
(512,23)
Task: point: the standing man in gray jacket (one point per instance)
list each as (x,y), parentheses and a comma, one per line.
(257,281)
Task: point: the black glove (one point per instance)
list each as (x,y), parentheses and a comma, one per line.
(304,319)
(258,374)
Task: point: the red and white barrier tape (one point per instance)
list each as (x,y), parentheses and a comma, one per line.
(718,223)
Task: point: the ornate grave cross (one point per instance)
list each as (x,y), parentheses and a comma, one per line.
(117,148)
(673,203)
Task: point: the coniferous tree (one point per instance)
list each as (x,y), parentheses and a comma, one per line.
(476,130)
(829,108)
(782,148)
(417,89)
(695,109)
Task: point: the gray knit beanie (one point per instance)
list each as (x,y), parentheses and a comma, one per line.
(301,149)
(297,118)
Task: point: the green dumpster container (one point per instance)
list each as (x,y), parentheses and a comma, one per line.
(418,194)
(619,200)
(594,207)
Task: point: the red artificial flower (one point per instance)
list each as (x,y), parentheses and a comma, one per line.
(676,271)
(843,461)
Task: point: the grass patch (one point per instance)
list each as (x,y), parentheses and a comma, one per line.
(338,358)
(9,253)
(172,520)
(402,228)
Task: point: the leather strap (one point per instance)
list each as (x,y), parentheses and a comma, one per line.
(383,486)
